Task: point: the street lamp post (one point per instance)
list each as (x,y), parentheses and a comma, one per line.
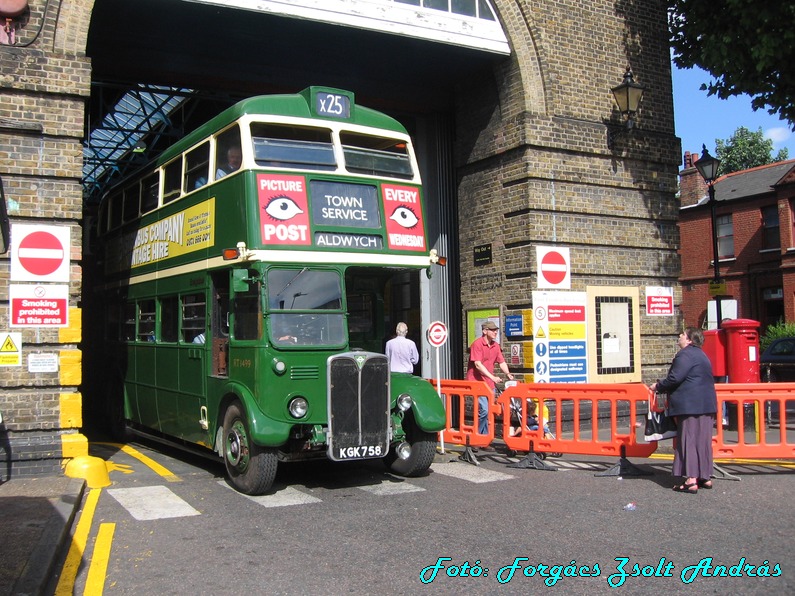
(707,166)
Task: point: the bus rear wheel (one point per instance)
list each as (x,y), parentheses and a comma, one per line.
(251,469)
(423,450)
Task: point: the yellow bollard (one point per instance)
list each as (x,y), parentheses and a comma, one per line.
(93,470)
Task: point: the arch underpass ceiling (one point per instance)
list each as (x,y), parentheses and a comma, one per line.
(189,60)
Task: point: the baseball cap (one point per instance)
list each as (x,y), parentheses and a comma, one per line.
(489,325)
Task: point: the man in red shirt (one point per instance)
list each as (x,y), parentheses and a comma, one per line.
(484,353)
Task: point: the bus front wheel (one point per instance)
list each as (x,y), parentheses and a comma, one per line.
(251,469)
(423,450)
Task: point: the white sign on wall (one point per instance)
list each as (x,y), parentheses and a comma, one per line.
(659,301)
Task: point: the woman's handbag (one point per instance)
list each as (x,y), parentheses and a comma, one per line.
(659,426)
(659,402)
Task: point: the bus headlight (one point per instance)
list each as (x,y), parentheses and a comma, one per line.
(298,407)
(278,366)
(404,402)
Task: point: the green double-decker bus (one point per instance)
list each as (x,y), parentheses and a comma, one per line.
(248,276)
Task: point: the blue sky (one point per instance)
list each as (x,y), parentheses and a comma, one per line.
(700,119)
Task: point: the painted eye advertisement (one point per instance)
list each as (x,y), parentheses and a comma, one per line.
(404,226)
(283,210)
(288,205)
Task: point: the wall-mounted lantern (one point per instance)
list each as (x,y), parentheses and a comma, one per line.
(628,95)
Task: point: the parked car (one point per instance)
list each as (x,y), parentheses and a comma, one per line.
(778,361)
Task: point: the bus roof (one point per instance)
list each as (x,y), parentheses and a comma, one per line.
(297,105)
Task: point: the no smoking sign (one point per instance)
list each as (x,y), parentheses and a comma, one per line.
(40,253)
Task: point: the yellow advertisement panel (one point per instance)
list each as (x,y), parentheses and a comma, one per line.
(183,232)
(179,234)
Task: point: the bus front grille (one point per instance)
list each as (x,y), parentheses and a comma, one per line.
(358,406)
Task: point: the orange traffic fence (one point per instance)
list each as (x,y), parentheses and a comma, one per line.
(758,426)
(461,399)
(604,418)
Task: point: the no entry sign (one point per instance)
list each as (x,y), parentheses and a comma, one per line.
(553,268)
(40,253)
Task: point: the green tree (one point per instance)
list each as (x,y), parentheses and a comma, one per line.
(749,47)
(746,149)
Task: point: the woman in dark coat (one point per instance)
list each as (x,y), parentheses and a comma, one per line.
(693,404)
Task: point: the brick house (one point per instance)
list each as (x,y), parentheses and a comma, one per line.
(756,246)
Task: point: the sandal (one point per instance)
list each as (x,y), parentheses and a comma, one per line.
(707,484)
(690,489)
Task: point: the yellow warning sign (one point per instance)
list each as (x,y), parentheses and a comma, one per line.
(9,345)
(11,350)
(540,332)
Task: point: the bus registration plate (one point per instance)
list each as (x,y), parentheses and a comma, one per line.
(360,452)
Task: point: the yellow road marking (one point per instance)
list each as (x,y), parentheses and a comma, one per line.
(147,461)
(75,555)
(98,570)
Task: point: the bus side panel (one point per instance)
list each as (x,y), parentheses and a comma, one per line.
(192,382)
(166,381)
(142,372)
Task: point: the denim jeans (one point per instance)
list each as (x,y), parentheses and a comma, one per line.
(483,415)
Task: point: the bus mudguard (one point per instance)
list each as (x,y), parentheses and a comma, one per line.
(426,405)
(264,430)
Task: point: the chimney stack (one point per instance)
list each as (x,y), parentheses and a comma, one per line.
(692,187)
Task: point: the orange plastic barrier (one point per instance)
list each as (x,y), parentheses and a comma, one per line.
(758,416)
(595,412)
(759,426)
(461,404)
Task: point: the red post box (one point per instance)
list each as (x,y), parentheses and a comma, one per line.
(742,350)
(742,363)
(715,349)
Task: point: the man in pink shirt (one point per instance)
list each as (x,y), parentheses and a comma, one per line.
(484,353)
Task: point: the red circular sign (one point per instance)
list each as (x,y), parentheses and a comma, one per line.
(40,253)
(437,334)
(554,267)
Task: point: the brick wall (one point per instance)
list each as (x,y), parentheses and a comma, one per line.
(535,168)
(44,85)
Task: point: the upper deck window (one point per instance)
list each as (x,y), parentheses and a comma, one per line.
(280,146)
(376,156)
(229,155)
